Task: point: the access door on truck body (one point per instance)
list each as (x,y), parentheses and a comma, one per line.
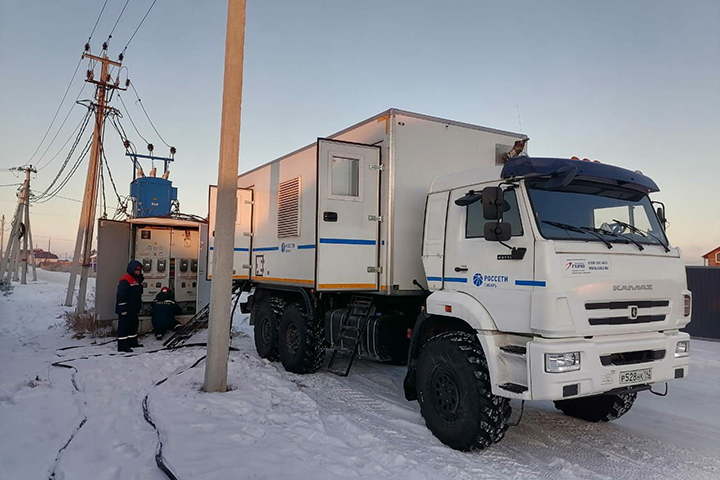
(484,269)
(243,233)
(348,216)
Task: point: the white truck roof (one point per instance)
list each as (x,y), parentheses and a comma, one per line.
(471,177)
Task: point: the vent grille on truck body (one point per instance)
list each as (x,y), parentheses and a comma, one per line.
(288,219)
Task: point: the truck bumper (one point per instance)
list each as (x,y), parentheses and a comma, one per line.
(602,361)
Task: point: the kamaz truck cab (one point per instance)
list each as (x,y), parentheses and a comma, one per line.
(549,279)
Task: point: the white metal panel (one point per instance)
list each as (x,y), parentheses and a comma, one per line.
(113,257)
(425,148)
(152,249)
(503,287)
(290,259)
(184,244)
(243,232)
(434,239)
(348,216)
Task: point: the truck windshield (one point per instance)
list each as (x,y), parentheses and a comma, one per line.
(594,208)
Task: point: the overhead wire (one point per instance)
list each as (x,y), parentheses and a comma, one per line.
(117,21)
(82,120)
(97,21)
(148,116)
(122,54)
(57,111)
(131,120)
(86,121)
(62,101)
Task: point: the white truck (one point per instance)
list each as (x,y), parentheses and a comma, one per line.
(493,275)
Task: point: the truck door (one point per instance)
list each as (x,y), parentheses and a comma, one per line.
(243,233)
(348,216)
(483,268)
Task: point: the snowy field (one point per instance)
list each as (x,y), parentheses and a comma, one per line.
(274,424)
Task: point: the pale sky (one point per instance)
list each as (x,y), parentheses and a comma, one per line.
(632,83)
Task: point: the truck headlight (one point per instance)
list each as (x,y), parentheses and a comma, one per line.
(562,362)
(682,349)
(688,304)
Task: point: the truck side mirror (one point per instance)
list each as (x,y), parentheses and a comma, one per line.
(661,216)
(492,202)
(497,231)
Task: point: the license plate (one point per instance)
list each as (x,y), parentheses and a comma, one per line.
(636,376)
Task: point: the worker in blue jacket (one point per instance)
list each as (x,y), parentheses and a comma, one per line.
(128,305)
(164,310)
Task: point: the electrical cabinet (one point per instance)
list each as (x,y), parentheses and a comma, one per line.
(153,250)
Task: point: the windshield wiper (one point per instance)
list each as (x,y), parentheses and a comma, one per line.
(618,235)
(574,228)
(643,233)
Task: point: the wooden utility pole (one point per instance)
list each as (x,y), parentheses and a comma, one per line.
(86,225)
(18,255)
(221,288)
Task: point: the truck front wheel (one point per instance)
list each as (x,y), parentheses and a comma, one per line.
(455,394)
(597,408)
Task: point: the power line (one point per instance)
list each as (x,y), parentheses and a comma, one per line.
(96,22)
(11,185)
(52,122)
(122,54)
(131,120)
(148,116)
(117,21)
(84,125)
(58,132)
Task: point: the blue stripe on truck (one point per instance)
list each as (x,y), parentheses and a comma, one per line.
(530,283)
(348,241)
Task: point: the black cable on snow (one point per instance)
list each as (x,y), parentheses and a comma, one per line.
(159,461)
(77,429)
(59,454)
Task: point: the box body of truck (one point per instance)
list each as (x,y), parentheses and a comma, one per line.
(346,213)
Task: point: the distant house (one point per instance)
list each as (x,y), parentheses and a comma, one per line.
(712,258)
(41,256)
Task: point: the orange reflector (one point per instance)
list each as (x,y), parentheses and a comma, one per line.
(448,308)
(574,158)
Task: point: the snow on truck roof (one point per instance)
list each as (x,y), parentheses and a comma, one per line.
(528,167)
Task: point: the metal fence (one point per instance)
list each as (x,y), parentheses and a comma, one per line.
(704,283)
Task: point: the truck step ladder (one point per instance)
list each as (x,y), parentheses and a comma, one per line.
(199,321)
(351,332)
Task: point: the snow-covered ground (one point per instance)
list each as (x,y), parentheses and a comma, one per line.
(274,424)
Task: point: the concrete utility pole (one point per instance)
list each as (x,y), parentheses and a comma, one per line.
(2,237)
(221,288)
(86,225)
(16,255)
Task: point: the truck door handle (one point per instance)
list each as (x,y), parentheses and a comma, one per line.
(462,268)
(330,216)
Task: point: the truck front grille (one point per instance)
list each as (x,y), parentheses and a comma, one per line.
(640,306)
(626,304)
(626,320)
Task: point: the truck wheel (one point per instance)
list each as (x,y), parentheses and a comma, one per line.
(597,408)
(455,395)
(266,321)
(300,342)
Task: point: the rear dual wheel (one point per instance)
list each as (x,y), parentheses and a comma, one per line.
(300,340)
(266,323)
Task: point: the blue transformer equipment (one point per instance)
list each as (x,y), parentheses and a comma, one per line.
(153,196)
